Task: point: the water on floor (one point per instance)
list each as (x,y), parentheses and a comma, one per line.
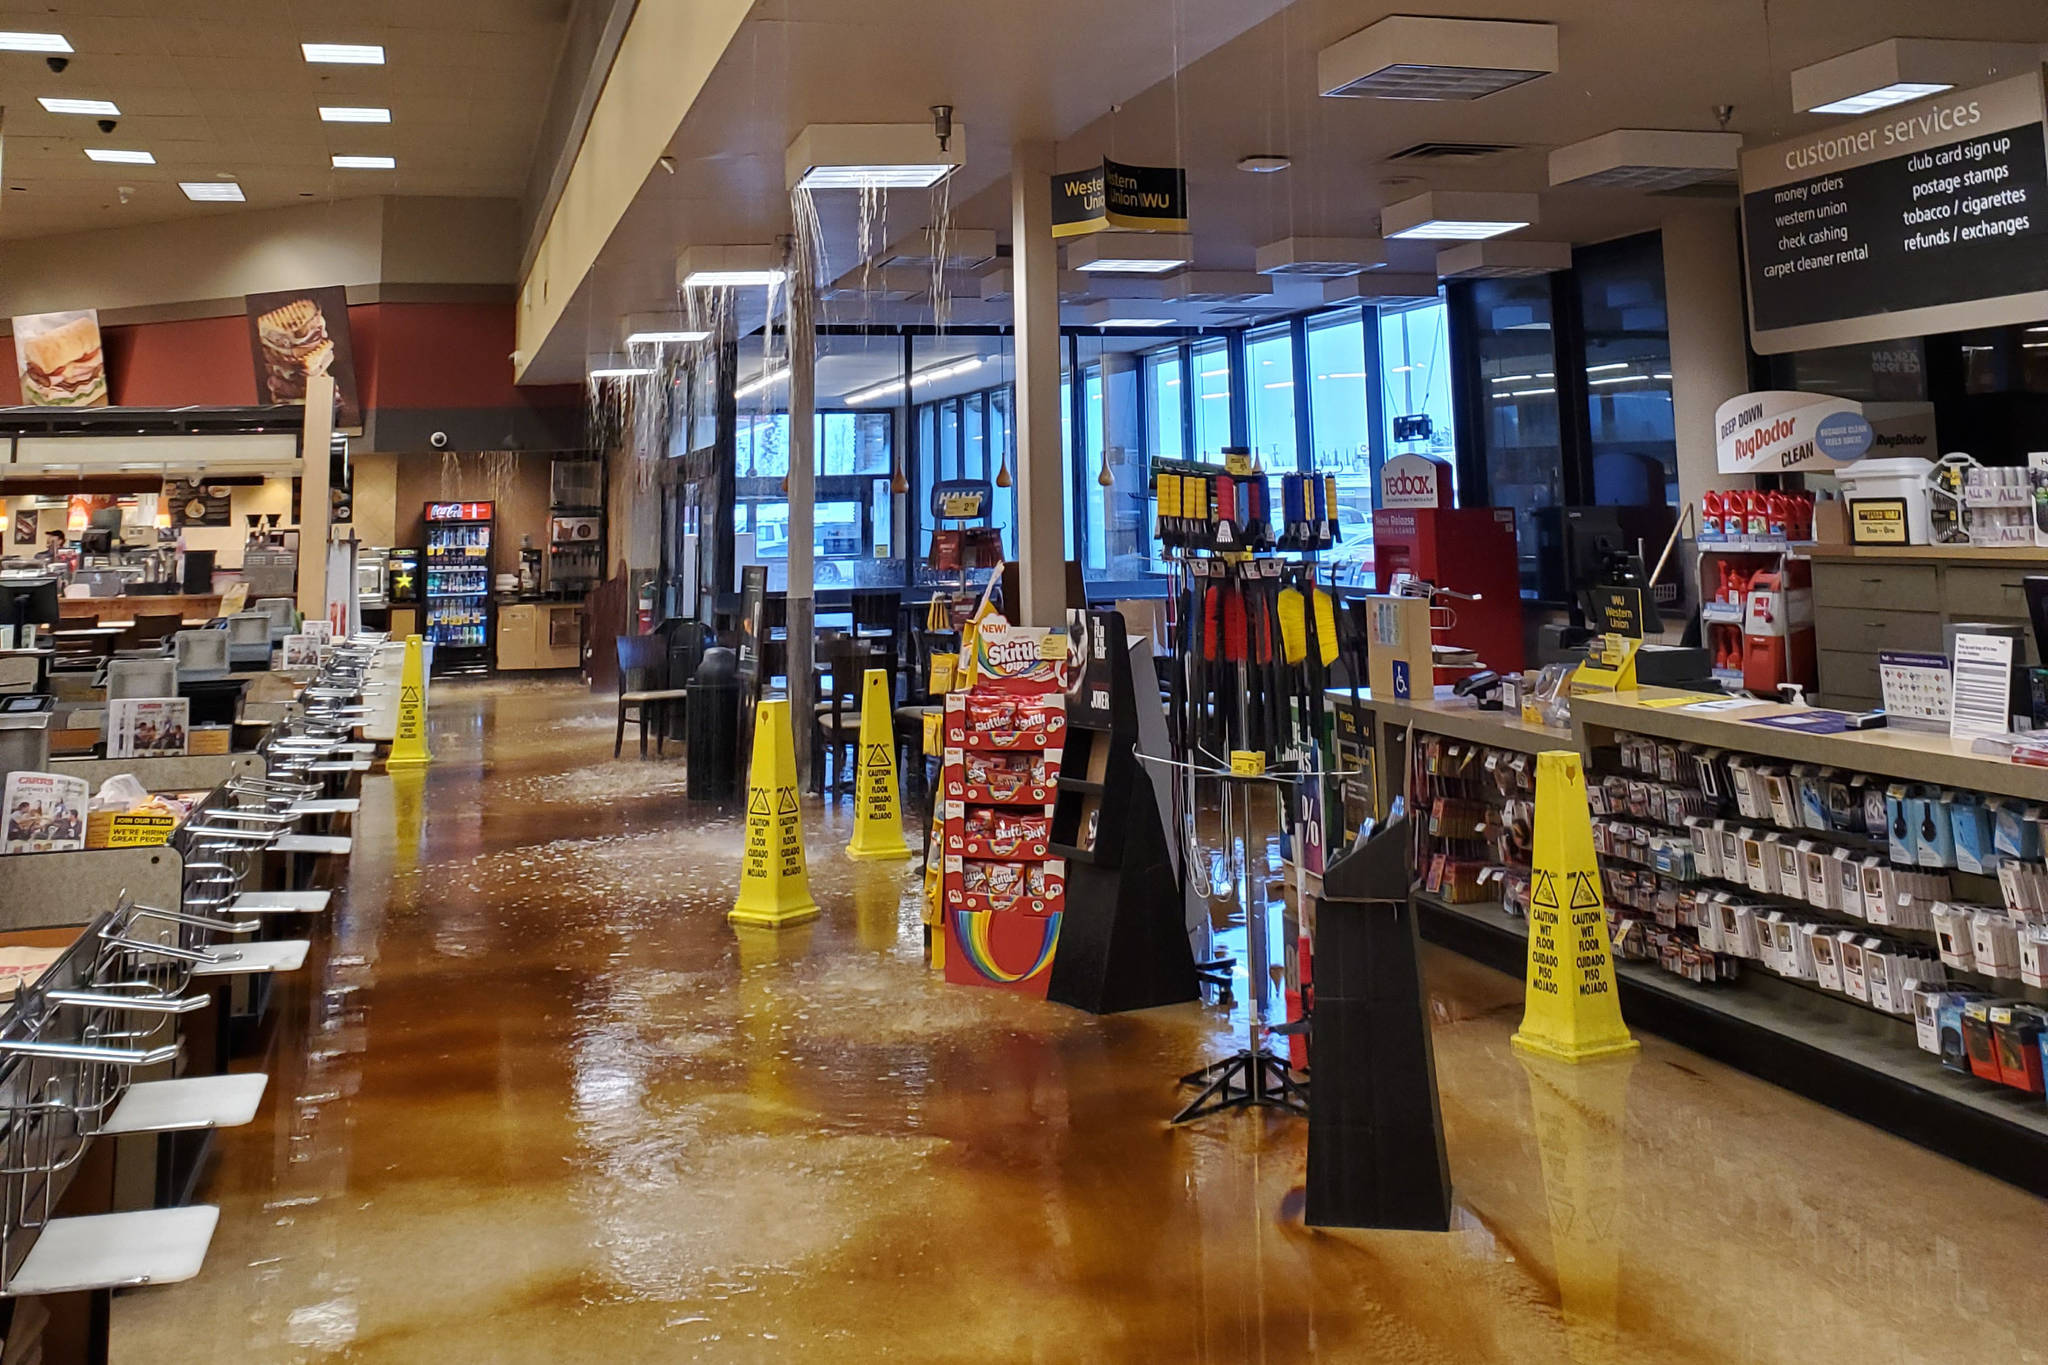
(534,1100)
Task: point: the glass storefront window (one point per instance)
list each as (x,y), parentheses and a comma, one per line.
(1628,372)
(1269,376)
(1164,404)
(1415,377)
(1523,449)
(1340,430)
(1210,361)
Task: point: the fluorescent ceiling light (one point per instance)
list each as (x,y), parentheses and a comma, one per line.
(1646,159)
(1139,322)
(1529,393)
(350,113)
(1613,365)
(1418,57)
(961,248)
(98,108)
(116,155)
(664,338)
(365,163)
(767,379)
(930,376)
(33,42)
(1901,69)
(1378,286)
(621,372)
(344,54)
(1513,378)
(1898,92)
(212,191)
(732,279)
(1457,216)
(1326,257)
(1130,253)
(880,156)
(1618,379)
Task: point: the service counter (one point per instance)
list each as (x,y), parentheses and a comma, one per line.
(1845,1053)
(190,608)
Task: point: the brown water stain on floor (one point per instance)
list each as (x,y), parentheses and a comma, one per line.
(534,1100)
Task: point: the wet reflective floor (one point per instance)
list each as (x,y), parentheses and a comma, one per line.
(534,1100)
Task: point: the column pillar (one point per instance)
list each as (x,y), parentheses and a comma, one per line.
(1041,476)
(803,469)
(1703,300)
(314,474)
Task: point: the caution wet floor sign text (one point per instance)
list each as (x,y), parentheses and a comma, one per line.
(878,820)
(775,884)
(1572,1013)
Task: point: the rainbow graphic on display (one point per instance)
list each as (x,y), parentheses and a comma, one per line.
(972,931)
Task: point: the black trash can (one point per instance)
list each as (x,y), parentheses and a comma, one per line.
(713,711)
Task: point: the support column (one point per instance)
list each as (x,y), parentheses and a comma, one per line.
(314,473)
(803,470)
(1709,343)
(1041,478)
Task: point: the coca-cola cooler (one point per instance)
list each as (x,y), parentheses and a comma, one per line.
(1464,549)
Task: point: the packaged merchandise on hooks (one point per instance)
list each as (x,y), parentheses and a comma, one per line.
(1476,819)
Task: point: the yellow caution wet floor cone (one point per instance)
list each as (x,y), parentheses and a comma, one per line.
(775,883)
(1572,1013)
(409,741)
(878,819)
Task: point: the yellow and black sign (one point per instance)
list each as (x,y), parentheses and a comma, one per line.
(409,741)
(1113,195)
(775,883)
(1572,1014)
(1619,610)
(1878,521)
(878,819)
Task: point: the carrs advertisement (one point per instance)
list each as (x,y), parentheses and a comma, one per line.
(1778,432)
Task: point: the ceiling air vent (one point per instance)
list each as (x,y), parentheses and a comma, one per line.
(1325,257)
(1417,57)
(1452,151)
(1646,159)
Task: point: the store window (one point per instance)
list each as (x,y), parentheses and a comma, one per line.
(853,526)
(1415,381)
(1269,377)
(1165,404)
(1629,427)
(961,411)
(1340,433)
(1522,446)
(1210,362)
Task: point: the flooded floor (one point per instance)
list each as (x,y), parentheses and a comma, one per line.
(534,1100)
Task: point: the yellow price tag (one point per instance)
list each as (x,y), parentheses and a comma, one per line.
(1235,465)
(1247,763)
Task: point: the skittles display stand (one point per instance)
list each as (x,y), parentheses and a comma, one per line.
(1001,891)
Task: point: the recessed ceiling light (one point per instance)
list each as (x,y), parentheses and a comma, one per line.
(1130,253)
(1456,216)
(871,156)
(1323,257)
(33,42)
(1139,322)
(212,191)
(344,54)
(665,338)
(346,113)
(732,279)
(100,108)
(365,163)
(622,372)
(872,177)
(1897,93)
(122,157)
(1264,165)
(761,382)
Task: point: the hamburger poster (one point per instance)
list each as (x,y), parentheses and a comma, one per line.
(58,359)
(295,334)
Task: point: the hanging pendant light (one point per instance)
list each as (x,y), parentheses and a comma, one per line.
(897,483)
(1105,478)
(1003,472)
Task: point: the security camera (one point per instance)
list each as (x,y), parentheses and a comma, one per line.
(107,125)
(57,64)
(439,440)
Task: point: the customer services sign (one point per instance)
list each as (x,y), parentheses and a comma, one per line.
(1777,432)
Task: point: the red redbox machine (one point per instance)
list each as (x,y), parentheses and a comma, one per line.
(1469,550)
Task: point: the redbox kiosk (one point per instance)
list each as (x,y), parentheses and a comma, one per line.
(1464,549)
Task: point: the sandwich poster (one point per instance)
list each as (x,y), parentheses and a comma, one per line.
(59,361)
(295,334)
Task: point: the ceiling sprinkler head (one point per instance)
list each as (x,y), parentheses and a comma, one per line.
(942,124)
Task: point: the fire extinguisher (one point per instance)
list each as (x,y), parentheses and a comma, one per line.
(646,609)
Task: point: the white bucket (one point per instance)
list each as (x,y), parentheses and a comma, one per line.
(1899,476)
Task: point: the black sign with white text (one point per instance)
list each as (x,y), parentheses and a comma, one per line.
(1929,218)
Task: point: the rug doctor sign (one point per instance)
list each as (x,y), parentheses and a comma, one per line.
(1779,432)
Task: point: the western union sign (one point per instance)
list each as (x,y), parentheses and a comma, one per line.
(1113,195)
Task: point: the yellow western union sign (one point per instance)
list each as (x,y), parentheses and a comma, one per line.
(1571,1012)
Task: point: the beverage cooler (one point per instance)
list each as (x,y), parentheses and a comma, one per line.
(458,585)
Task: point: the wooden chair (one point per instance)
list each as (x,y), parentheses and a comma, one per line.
(836,725)
(644,693)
